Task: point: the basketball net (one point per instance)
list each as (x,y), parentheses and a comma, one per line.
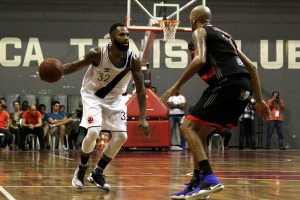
(169,28)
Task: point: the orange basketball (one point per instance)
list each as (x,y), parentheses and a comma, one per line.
(51,70)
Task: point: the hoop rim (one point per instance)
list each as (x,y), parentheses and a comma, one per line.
(169,21)
(155,29)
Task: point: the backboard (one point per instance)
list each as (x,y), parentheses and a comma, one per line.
(145,15)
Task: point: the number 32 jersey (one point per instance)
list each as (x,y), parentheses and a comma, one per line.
(103,76)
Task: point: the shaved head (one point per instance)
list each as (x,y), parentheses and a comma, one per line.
(201,13)
(199,16)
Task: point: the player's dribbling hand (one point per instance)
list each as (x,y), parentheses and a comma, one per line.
(262,109)
(170,92)
(145,126)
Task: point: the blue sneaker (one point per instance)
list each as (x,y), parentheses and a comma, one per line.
(209,184)
(190,186)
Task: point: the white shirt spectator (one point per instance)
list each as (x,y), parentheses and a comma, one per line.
(176,100)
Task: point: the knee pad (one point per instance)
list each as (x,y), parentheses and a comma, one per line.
(115,143)
(89,141)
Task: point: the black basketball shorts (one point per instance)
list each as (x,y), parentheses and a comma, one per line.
(222,104)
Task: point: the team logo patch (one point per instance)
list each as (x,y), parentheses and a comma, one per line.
(90,120)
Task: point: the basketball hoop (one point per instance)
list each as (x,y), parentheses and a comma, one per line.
(169,28)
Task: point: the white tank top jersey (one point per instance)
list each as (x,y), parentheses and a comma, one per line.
(98,77)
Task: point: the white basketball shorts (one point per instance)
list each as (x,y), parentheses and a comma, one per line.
(109,115)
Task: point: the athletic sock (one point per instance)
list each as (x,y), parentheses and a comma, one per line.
(205,167)
(196,174)
(84,160)
(103,162)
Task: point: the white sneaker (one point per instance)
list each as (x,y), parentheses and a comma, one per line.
(77,180)
(51,126)
(64,148)
(175,148)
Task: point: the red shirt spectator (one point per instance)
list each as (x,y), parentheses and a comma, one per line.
(31,117)
(276,107)
(3,118)
(32,124)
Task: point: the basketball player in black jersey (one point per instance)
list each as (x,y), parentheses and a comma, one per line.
(232,81)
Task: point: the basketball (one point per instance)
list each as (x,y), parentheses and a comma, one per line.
(51,70)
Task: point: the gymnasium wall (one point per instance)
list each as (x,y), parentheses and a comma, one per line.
(267,31)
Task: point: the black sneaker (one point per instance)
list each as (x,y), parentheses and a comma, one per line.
(98,179)
(77,180)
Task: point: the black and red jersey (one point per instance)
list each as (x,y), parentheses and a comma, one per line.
(222,58)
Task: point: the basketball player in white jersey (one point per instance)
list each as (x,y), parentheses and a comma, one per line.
(110,69)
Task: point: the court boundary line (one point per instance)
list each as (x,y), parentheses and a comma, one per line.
(66,158)
(149,175)
(137,186)
(6,194)
(266,154)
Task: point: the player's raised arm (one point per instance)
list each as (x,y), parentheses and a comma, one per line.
(93,56)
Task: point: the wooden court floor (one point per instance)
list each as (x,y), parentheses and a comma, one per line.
(150,175)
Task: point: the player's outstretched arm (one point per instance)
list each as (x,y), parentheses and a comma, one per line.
(92,56)
(261,106)
(141,93)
